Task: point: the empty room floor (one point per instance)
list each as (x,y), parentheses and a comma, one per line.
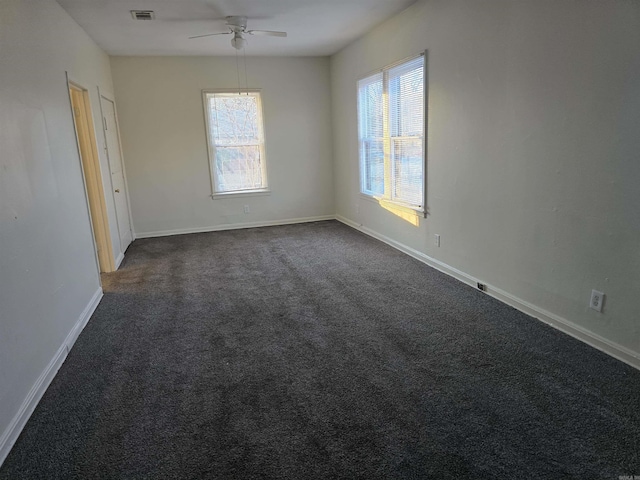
(314,351)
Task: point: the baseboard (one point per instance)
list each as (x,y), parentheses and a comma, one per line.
(84,318)
(235,226)
(119,260)
(29,404)
(610,348)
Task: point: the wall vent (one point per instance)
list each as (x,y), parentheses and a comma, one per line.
(143,14)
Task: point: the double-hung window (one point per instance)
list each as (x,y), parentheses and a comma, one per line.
(235,136)
(391,128)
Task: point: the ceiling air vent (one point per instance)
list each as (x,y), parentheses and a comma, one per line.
(143,14)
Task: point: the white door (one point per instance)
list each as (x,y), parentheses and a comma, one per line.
(117,173)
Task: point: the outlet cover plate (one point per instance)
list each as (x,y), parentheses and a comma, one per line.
(597,299)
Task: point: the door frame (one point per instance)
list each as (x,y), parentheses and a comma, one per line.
(93,184)
(111,98)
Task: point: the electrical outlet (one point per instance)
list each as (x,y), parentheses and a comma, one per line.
(482,286)
(437,240)
(597,299)
(246,209)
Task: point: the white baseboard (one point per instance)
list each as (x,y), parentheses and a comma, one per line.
(12,432)
(235,226)
(119,260)
(607,346)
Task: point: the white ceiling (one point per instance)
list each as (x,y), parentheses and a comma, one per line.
(314,27)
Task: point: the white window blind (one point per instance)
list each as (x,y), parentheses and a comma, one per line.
(391,124)
(236,141)
(371,112)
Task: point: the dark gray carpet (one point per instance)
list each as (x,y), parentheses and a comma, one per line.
(313,351)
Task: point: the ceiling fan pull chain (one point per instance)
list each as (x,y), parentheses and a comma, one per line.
(238,70)
(246,79)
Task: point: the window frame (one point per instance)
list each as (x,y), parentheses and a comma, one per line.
(211,152)
(388,138)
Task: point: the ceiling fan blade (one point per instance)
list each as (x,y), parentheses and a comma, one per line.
(211,34)
(267,33)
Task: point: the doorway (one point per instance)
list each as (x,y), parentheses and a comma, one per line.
(83,121)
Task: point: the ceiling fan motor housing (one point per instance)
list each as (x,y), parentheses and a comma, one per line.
(237,24)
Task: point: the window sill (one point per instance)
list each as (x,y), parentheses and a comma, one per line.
(241,193)
(401,206)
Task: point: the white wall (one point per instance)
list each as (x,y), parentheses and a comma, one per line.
(163,137)
(48,272)
(533,149)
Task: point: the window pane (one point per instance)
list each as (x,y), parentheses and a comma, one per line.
(371,132)
(406,99)
(373,166)
(407,170)
(370,98)
(238,168)
(234,120)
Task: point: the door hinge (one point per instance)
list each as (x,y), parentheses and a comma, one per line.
(104,123)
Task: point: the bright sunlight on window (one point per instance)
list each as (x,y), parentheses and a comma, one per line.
(236,142)
(391,125)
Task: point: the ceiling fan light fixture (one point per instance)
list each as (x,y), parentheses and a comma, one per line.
(238,41)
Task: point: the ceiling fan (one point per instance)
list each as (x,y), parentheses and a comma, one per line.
(238,28)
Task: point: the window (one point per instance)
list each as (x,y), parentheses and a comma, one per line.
(391,125)
(236,142)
